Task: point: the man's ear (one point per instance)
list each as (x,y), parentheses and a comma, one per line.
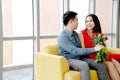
(71,21)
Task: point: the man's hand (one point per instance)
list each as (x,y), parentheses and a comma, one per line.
(98,47)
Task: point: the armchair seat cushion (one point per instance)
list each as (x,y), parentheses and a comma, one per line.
(75,75)
(93,74)
(72,75)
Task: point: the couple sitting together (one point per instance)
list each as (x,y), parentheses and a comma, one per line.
(78,48)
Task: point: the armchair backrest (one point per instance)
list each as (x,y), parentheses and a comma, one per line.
(51,49)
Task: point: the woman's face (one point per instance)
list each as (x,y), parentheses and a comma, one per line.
(89,23)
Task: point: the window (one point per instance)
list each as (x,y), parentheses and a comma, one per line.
(17,32)
(49,17)
(108,15)
(49,21)
(82,8)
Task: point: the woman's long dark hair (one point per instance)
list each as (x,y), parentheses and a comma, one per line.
(97,28)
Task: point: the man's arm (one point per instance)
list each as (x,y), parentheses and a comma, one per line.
(67,45)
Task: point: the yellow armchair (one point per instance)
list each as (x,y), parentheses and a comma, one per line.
(54,67)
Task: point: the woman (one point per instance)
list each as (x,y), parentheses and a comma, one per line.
(92,26)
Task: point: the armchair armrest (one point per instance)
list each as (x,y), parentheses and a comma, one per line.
(50,67)
(113,53)
(113,50)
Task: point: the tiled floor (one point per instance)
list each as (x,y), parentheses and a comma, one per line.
(20,74)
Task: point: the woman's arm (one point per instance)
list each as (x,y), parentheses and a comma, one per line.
(81,39)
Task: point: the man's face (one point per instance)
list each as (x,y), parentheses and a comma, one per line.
(75,23)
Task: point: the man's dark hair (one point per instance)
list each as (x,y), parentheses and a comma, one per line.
(67,16)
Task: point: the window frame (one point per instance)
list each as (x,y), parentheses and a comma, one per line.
(115,24)
(1,44)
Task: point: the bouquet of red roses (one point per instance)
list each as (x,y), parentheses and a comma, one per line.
(99,38)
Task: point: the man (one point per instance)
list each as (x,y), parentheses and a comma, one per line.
(69,47)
